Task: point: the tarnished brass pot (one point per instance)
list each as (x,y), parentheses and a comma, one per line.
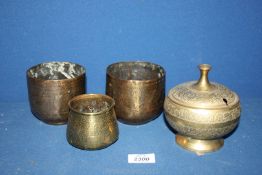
(138,89)
(92,122)
(50,86)
(202,113)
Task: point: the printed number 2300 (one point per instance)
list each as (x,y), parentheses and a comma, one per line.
(141,158)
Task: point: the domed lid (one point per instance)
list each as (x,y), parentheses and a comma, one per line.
(203,94)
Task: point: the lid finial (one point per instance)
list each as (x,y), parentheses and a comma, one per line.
(203,82)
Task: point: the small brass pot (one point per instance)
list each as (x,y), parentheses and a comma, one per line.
(202,113)
(50,86)
(138,89)
(92,122)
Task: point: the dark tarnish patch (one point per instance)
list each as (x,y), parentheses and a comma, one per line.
(56,70)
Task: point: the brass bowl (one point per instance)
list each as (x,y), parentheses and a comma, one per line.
(92,122)
(50,86)
(138,89)
(202,113)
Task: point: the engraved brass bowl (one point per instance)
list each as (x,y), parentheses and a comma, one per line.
(138,89)
(92,122)
(202,113)
(50,86)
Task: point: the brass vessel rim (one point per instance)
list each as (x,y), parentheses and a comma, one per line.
(163,74)
(56,80)
(235,120)
(88,96)
(219,107)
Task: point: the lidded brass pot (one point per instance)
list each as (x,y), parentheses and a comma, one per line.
(202,113)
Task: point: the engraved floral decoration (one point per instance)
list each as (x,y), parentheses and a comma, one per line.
(219,96)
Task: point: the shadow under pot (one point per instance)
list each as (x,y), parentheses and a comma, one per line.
(138,89)
(92,122)
(50,87)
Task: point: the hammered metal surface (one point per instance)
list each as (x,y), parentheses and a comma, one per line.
(138,89)
(49,95)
